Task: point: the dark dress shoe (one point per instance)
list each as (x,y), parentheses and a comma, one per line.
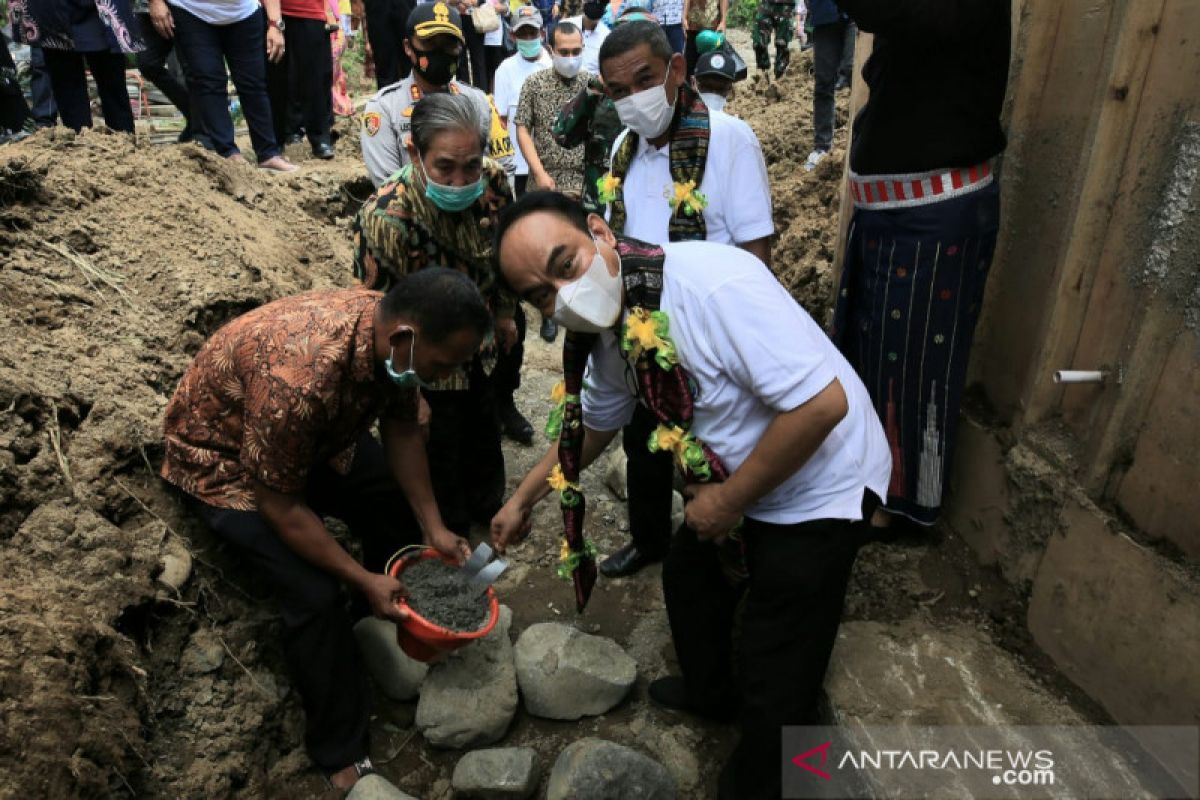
(514,424)
(323,151)
(294,138)
(671,692)
(549,330)
(626,561)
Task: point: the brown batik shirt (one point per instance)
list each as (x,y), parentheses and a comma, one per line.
(542,97)
(277,391)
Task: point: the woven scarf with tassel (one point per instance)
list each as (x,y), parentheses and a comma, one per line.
(664,387)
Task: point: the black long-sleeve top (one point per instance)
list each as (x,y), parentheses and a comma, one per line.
(937,78)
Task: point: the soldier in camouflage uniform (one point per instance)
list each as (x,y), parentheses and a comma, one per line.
(589,118)
(780,18)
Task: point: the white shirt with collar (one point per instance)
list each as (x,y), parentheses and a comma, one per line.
(753,353)
(735,184)
(591,42)
(510,77)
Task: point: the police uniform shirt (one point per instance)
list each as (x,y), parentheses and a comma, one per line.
(387,126)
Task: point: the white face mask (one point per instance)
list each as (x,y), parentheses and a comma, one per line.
(591,304)
(647,113)
(713,101)
(567,66)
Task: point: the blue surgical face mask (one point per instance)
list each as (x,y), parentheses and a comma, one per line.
(451,198)
(408,379)
(530,48)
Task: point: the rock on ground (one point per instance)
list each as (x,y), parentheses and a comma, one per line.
(469,699)
(497,774)
(595,769)
(567,674)
(398,675)
(376,787)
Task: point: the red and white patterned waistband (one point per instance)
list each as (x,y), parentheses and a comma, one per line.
(919,188)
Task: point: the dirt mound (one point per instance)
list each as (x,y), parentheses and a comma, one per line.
(806,203)
(116,262)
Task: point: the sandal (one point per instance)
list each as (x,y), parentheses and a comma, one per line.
(362,769)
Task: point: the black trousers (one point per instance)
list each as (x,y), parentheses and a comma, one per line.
(506,377)
(833,56)
(793,606)
(478,58)
(41,93)
(319,645)
(649,483)
(466,463)
(69,82)
(386,30)
(301,84)
(13,109)
(152,63)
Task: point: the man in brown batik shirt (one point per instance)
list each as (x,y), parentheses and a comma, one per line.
(269,430)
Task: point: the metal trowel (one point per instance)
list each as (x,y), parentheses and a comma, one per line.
(478,572)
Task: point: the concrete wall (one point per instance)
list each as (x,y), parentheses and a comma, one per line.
(1087,497)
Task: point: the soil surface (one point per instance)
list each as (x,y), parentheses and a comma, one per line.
(439,593)
(117,677)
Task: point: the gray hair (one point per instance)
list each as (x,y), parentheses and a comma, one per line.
(442,112)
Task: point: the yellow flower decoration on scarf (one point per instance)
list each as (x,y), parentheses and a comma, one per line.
(647,331)
(568,559)
(559,397)
(568,491)
(687,199)
(607,187)
(685,447)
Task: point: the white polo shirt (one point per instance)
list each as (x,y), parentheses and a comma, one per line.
(735,183)
(591,42)
(510,77)
(753,353)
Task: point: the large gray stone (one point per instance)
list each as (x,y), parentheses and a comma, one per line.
(595,769)
(503,773)
(376,787)
(567,674)
(616,474)
(468,700)
(397,675)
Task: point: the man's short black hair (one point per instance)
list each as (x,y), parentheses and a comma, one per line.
(565,28)
(440,301)
(629,35)
(554,202)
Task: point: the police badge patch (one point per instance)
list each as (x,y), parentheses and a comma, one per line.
(372,121)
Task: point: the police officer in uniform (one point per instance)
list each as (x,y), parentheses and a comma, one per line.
(434,44)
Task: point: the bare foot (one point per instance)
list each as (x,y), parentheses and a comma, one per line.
(236,158)
(345,778)
(278,164)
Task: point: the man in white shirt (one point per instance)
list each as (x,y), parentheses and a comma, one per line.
(594,33)
(662,113)
(531,56)
(792,430)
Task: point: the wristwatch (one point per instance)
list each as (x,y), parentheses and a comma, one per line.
(276,24)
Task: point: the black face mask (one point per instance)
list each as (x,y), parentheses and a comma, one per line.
(593,10)
(435,66)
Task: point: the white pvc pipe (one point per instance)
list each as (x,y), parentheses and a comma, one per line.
(1078,376)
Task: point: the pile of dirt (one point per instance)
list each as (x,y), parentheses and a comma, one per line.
(441,594)
(116,262)
(119,673)
(806,203)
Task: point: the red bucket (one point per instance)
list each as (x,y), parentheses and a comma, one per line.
(422,639)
